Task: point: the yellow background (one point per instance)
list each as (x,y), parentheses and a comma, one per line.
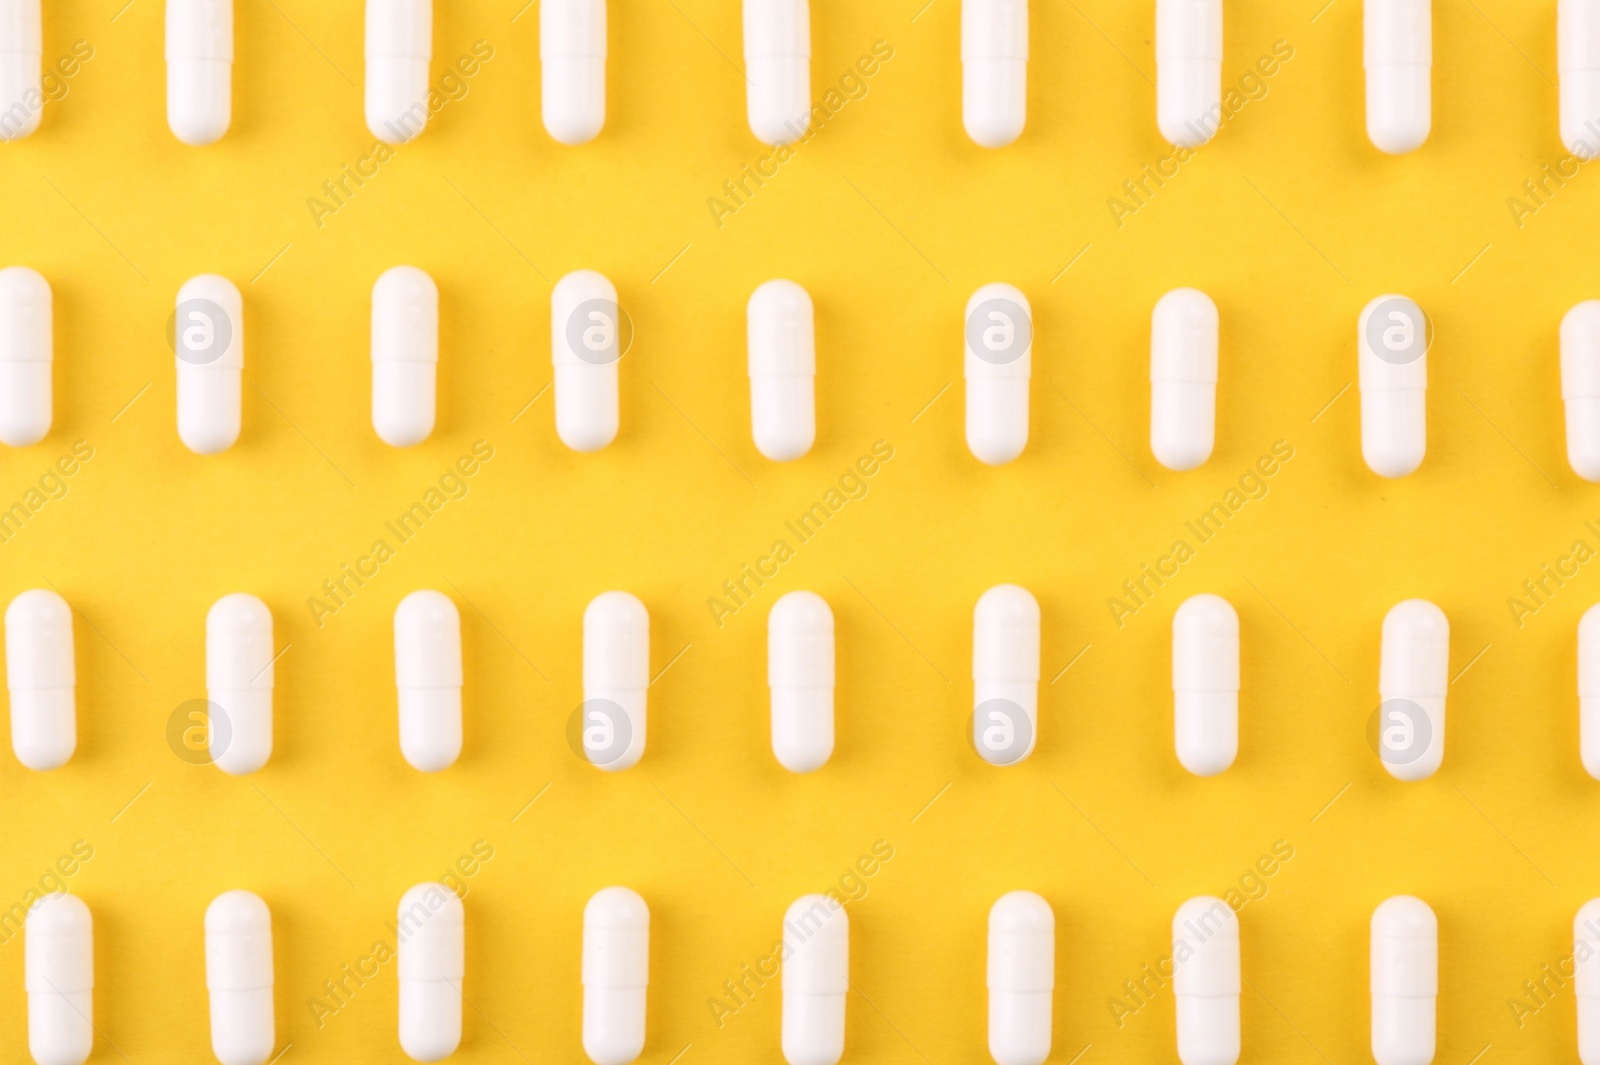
(891,218)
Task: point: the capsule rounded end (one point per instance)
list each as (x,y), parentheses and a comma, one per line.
(1182,423)
(1399,107)
(236,912)
(616,907)
(574,98)
(44,729)
(587,418)
(1019,1027)
(1394,437)
(403,401)
(25,403)
(802,728)
(1403,1030)
(1022,911)
(430,1019)
(994,101)
(783,416)
(209,408)
(430,727)
(199,99)
(249,734)
(997,418)
(396,97)
(60,1031)
(813,1028)
(1189,100)
(242,1026)
(779,99)
(1206,732)
(1208,1029)
(19,81)
(613,1024)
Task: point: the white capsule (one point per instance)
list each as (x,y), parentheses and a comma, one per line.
(21,68)
(427,671)
(208,334)
(1580,387)
(1405,981)
(199,69)
(616,673)
(405,355)
(1392,338)
(616,969)
(1183,378)
(783,370)
(239,977)
(1189,70)
(994,70)
(1586,980)
(800,673)
(1206,981)
(1205,684)
(997,365)
(815,978)
(41,672)
(777,59)
(431,933)
(239,676)
(1413,676)
(1578,60)
(1022,978)
(572,53)
(399,47)
(1589,690)
(1399,61)
(58,959)
(1005,674)
(27,348)
(585,346)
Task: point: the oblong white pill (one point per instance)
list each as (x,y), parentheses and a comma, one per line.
(1589,690)
(239,977)
(1022,978)
(239,679)
(1398,42)
(585,346)
(431,934)
(1206,981)
(997,365)
(1205,684)
(21,68)
(1183,378)
(1578,61)
(994,70)
(1188,70)
(1413,676)
(399,47)
(800,673)
(199,69)
(1586,980)
(1580,386)
(1392,369)
(616,674)
(58,959)
(41,672)
(208,333)
(1405,981)
(428,674)
(27,349)
(405,355)
(816,977)
(616,971)
(572,55)
(1005,674)
(777,59)
(783,370)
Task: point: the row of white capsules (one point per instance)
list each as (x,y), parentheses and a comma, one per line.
(590,333)
(812,965)
(1191,105)
(1409,725)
